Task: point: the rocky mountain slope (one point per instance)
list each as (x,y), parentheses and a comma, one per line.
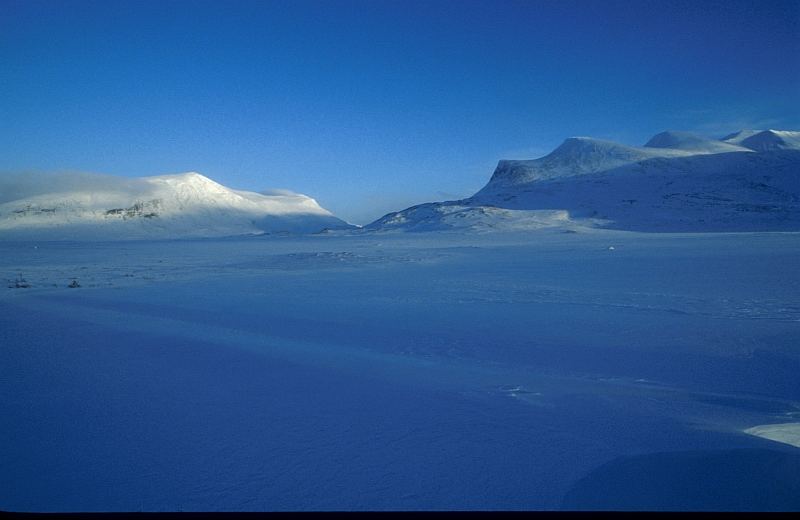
(747,181)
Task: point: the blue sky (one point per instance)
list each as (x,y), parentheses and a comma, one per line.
(376,105)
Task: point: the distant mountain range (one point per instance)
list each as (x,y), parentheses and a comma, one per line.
(167,206)
(746,181)
(677,181)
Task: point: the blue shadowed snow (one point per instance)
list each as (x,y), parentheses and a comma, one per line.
(389,371)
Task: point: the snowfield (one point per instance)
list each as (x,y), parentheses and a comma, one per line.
(606,327)
(562,368)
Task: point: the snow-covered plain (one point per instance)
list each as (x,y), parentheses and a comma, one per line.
(567,368)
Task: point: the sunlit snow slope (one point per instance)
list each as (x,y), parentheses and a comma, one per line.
(677,182)
(167,206)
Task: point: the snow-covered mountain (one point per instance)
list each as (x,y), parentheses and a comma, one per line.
(692,143)
(767,140)
(166,206)
(676,182)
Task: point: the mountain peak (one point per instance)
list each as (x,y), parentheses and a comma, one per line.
(584,142)
(575,156)
(739,136)
(690,142)
(186,177)
(588,153)
(769,140)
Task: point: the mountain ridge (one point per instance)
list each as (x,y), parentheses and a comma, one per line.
(681,182)
(691,142)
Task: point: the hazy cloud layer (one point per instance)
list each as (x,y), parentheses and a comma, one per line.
(279,192)
(22,185)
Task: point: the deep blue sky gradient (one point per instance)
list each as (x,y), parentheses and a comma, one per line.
(371,106)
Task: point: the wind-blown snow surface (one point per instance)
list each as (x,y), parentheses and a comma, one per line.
(677,182)
(788,432)
(594,369)
(166,206)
